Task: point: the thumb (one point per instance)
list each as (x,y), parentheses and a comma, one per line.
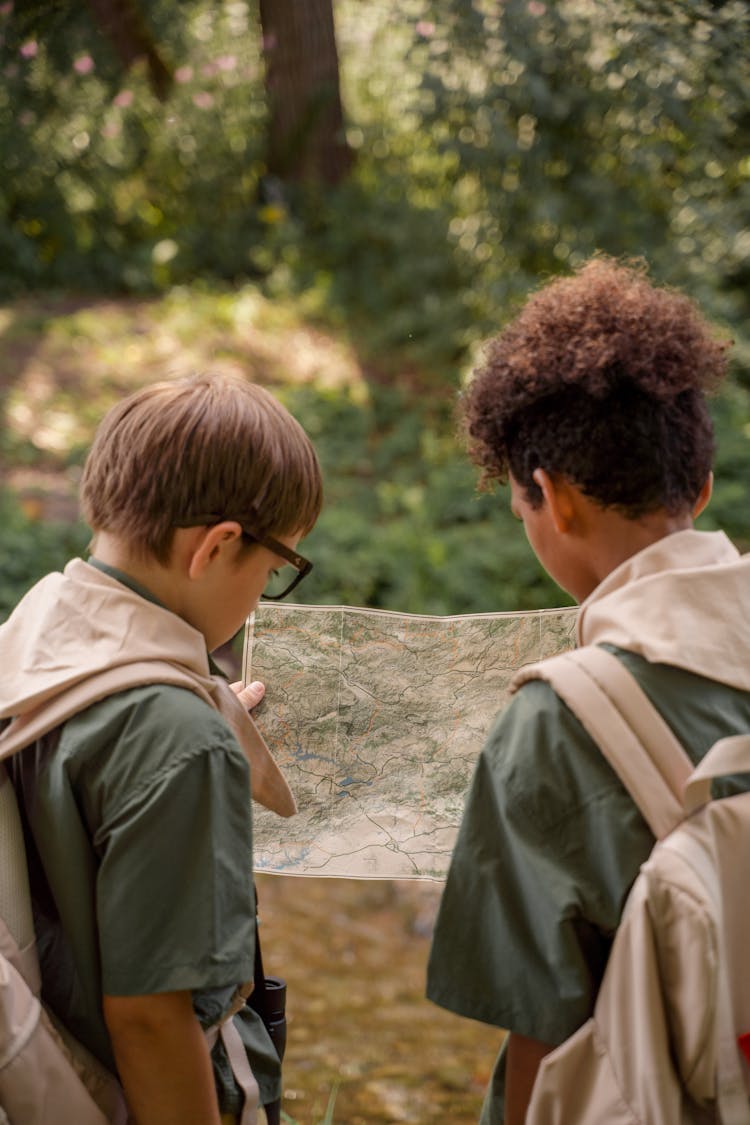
(251,695)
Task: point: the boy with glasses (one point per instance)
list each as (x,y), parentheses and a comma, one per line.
(135,760)
(592,405)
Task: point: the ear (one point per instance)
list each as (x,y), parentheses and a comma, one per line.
(703,496)
(558,498)
(210,544)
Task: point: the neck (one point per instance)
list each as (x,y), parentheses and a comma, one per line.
(158,579)
(616,538)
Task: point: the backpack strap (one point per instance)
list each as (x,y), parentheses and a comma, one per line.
(237,1056)
(17,937)
(728,755)
(625,725)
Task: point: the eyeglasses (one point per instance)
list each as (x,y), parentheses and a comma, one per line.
(282,580)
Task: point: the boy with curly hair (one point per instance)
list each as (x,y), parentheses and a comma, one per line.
(133,760)
(592,405)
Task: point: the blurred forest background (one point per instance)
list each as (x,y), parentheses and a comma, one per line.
(342,199)
(226,184)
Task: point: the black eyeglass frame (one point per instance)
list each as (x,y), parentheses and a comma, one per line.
(302,565)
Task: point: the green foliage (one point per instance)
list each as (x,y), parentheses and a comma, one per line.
(544,132)
(103,186)
(403,527)
(31,549)
(496,144)
(730,505)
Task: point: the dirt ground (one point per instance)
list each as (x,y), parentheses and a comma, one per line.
(354,954)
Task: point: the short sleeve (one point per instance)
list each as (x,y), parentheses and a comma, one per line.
(168,806)
(549,845)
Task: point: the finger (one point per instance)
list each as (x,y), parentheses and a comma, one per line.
(251,695)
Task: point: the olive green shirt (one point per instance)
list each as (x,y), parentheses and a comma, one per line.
(139,839)
(548,849)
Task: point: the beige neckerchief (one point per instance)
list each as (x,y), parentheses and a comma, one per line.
(80,636)
(683,601)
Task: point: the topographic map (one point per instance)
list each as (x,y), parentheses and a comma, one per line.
(377,718)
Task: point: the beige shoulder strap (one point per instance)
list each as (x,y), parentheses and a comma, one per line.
(728,755)
(269,786)
(626,727)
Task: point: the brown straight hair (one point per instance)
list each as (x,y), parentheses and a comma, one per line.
(207,443)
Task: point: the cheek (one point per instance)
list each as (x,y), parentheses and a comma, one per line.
(259,586)
(543,545)
(533,531)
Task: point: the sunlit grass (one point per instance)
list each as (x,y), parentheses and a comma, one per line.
(66,363)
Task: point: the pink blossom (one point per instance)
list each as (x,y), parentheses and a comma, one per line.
(6,9)
(111,129)
(227,62)
(29,50)
(203,100)
(209,70)
(123,99)
(183,74)
(269,42)
(83,65)
(425,28)
(537,8)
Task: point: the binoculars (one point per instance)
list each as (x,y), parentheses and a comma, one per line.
(269,1002)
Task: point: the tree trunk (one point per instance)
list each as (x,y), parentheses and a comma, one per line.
(124,25)
(306,133)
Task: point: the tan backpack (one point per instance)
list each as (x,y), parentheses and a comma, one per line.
(666,1043)
(45,1076)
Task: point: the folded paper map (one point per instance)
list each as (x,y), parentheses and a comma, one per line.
(376,719)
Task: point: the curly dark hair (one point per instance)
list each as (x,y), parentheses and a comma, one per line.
(602,378)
